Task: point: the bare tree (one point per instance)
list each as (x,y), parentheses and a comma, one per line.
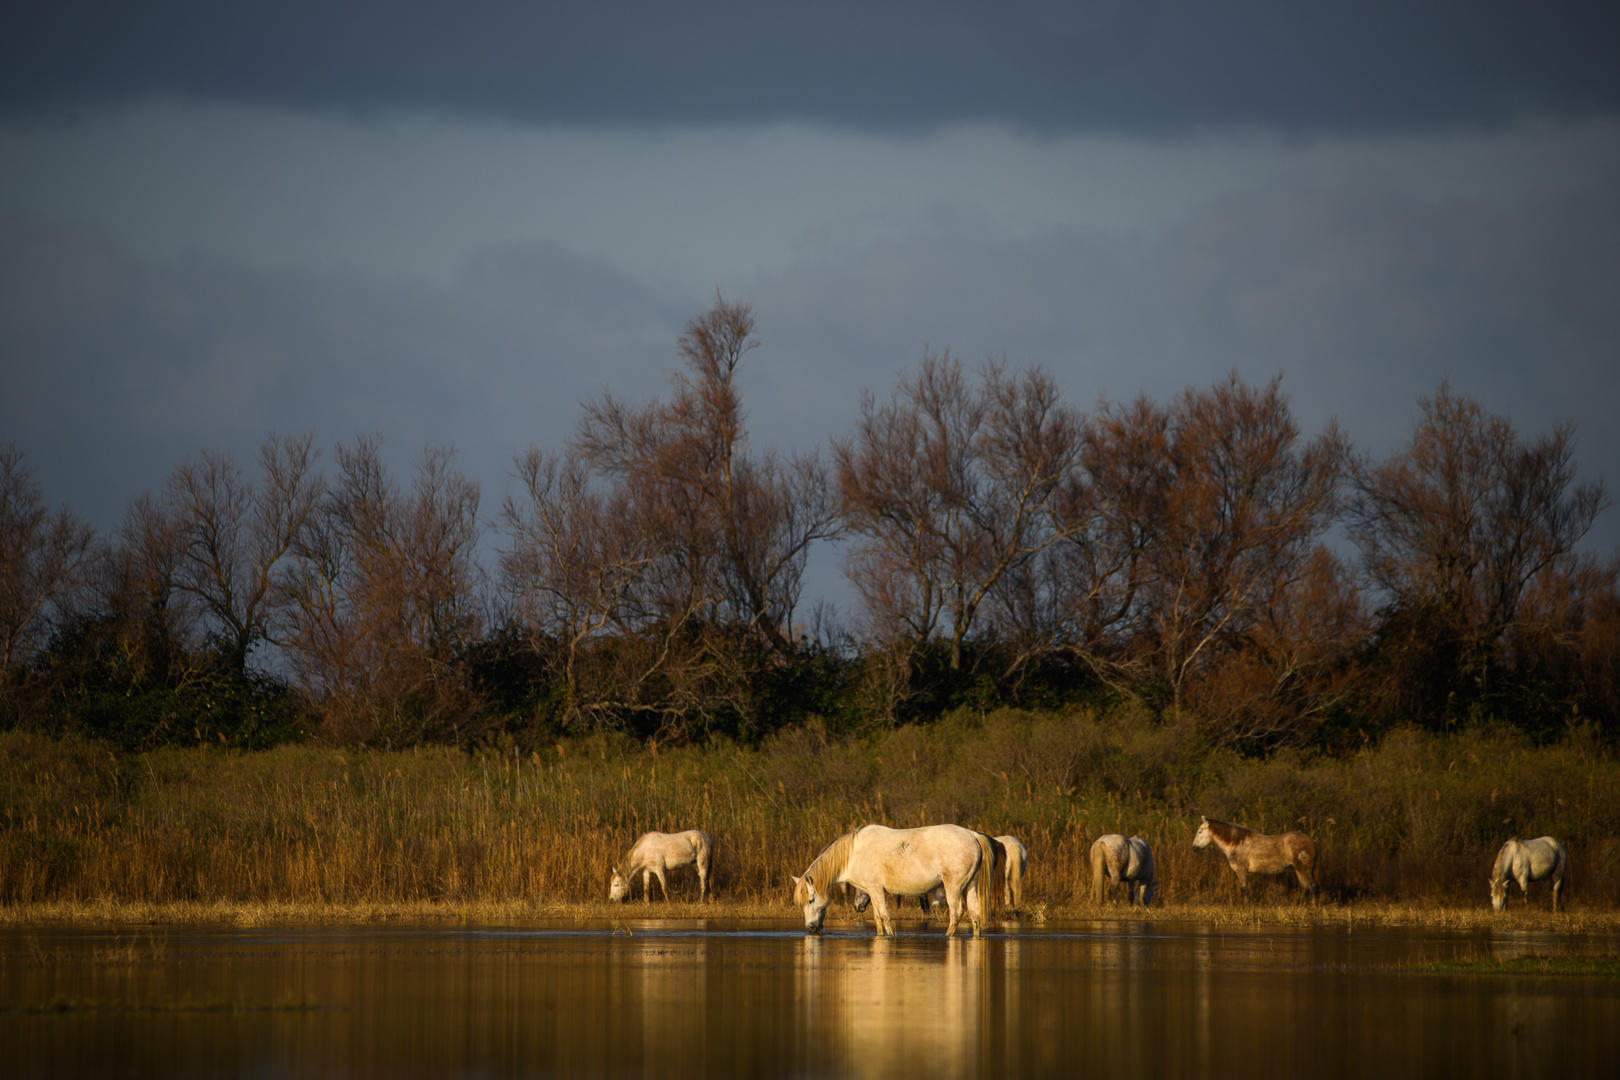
(949,488)
(1083,595)
(382,595)
(1294,664)
(43,561)
(1242,508)
(1466,517)
(740,524)
(235,535)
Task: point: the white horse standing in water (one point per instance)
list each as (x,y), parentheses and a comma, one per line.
(1525,861)
(1011,859)
(906,862)
(658,853)
(1125,862)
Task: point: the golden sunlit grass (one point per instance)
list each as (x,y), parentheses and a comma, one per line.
(314,834)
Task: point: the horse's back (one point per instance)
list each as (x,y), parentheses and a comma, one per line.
(676,849)
(1112,852)
(1547,856)
(903,860)
(1139,867)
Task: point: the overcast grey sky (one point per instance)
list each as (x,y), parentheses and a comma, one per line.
(450,223)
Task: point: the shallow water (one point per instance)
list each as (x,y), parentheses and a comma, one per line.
(718,998)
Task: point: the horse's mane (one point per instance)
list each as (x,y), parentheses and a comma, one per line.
(826,867)
(1226,832)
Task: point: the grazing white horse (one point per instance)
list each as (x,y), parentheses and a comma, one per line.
(1012,879)
(1525,861)
(1249,852)
(657,853)
(906,862)
(1125,862)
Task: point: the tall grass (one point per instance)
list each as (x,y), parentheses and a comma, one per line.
(1416,818)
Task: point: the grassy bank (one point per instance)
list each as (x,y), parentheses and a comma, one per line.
(630,917)
(1407,824)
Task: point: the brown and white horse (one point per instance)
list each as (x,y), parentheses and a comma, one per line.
(656,853)
(1249,852)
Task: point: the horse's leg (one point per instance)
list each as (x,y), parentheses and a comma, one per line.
(663,882)
(646,885)
(953,910)
(1307,880)
(880,914)
(703,881)
(1557,883)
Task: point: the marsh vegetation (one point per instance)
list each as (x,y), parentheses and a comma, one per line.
(1413,820)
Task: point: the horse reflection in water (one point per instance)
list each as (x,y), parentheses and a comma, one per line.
(910,1006)
(657,853)
(1524,861)
(906,862)
(1124,862)
(1249,852)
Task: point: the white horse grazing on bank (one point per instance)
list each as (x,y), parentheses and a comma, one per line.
(906,862)
(1249,852)
(1125,862)
(1525,861)
(657,853)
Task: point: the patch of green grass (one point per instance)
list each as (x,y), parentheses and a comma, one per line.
(1601,967)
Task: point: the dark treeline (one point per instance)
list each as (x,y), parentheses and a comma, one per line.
(1200,556)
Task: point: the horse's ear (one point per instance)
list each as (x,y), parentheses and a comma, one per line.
(1204,819)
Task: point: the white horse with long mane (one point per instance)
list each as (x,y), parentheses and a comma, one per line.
(1249,852)
(906,862)
(1525,861)
(1125,862)
(657,853)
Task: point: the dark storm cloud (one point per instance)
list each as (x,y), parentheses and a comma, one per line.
(115,368)
(1090,65)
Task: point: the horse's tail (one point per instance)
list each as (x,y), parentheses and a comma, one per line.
(1015,881)
(1099,867)
(987,866)
(998,874)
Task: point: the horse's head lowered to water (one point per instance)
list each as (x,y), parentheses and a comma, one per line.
(813,901)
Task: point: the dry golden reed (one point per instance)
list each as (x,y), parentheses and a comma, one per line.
(1409,825)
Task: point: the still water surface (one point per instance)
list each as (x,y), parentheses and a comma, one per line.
(718,998)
